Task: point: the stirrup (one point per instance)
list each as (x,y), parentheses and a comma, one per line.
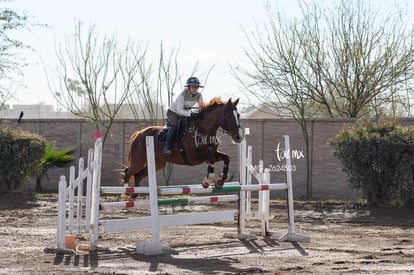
(167,151)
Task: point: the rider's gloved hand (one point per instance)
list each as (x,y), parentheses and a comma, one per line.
(194,115)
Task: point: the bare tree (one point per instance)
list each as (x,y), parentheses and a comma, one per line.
(10,62)
(96,76)
(154,85)
(345,61)
(370,59)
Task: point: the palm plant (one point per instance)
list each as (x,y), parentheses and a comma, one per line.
(53,158)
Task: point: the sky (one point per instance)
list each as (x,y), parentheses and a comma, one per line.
(210,32)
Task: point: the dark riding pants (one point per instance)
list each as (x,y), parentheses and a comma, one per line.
(172,118)
(172,123)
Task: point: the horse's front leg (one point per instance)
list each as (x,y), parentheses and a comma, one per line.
(210,176)
(223,176)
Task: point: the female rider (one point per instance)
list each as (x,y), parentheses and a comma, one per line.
(182,107)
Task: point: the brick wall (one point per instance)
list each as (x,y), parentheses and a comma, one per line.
(327,179)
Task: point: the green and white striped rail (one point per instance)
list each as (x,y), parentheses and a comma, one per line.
(170,201)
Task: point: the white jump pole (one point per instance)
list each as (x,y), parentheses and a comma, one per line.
(71,198)
(88,196)
(61,230)
(247,169)
(155,247)
(96,186)
(81,177)
(264,201)
(243,177)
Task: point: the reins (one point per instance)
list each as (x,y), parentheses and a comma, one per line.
(225,108)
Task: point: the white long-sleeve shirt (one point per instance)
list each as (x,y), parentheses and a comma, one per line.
(184,101)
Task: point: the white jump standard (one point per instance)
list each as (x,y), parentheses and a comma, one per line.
(241,213)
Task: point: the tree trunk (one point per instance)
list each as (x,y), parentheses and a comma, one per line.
(38,187)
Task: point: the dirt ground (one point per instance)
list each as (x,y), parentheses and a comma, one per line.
(345,238)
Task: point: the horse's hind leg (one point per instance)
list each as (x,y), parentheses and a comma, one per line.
(128,172)
(138,177)
(143,173)
(134,168)
(127,176)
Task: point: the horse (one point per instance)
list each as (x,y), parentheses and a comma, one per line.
(199,144)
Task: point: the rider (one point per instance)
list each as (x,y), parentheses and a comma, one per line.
(182,107)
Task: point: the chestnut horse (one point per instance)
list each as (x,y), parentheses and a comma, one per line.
(199,144)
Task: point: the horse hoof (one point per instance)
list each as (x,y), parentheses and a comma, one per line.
(223,177)
(205,183)
(219,184)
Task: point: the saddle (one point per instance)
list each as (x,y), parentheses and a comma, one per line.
(182,127)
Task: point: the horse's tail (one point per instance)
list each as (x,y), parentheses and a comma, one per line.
(134,137)
(129,159)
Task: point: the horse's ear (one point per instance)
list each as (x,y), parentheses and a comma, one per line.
(229,101)
(236,102)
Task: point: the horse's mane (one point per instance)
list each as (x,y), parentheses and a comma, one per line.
(216,101)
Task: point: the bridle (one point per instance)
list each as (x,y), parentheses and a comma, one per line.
(226,129)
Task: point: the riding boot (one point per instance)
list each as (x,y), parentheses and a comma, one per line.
(170,140)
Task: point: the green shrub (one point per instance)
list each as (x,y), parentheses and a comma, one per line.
(20,157)
(378,160)
(53,158)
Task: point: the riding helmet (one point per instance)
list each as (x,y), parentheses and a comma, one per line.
(193,81)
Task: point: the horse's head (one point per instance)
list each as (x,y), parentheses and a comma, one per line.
(230,121)
(218,113)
